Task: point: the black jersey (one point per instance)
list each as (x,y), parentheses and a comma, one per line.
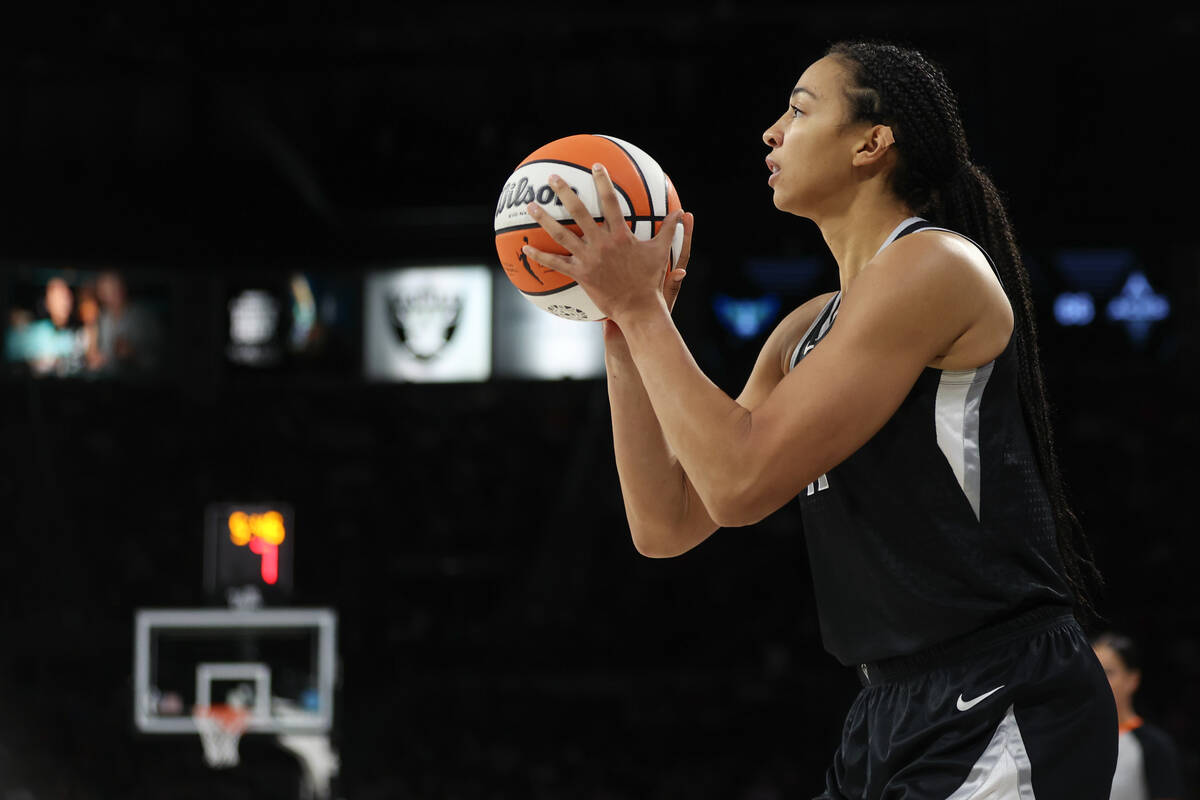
(1147,765)
(940,524)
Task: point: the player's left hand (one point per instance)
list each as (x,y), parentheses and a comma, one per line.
(620,272)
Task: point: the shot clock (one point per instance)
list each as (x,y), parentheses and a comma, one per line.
(248,551)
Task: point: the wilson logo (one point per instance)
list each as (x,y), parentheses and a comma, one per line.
(522,193)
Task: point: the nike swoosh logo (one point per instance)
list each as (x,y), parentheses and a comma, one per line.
(967,705)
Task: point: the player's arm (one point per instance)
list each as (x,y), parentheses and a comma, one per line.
(903,311)
(666,514)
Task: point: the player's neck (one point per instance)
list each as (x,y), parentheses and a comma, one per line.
(856,233)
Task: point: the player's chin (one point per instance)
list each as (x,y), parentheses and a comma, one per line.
(784,201)
(795,202)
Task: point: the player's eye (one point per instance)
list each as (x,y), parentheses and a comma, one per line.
(796,112)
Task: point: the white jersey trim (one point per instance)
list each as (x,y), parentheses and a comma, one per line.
(1003,772)
(797,352)
(956,423)
(896,232)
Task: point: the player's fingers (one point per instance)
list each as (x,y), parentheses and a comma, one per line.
(564,264)
(576,210)
(558,232)
(610,206)
(666,234)
(685,253)
(674,284)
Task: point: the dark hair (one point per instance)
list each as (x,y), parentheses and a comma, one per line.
(934,175)
(1125,648)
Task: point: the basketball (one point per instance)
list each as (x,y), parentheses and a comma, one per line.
(644,191)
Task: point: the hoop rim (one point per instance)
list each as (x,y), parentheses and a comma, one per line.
(233,719)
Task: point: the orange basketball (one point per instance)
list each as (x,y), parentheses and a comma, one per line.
(644,191)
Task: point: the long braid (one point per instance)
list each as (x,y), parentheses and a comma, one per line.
(934,175)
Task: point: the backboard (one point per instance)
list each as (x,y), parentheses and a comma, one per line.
(281,664)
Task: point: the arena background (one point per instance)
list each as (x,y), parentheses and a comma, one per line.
(499,636)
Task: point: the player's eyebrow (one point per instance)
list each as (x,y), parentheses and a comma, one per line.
(800,89)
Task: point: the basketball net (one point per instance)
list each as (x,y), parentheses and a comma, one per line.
(221,728)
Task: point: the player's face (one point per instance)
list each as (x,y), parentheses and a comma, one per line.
(811,144)
(1124,681)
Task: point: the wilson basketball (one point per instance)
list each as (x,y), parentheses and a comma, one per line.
(644,191)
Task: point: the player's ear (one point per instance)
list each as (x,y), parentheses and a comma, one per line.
(874,145)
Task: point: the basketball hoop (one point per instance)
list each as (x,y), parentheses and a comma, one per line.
(221,727)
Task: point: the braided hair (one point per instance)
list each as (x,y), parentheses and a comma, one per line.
(934,175)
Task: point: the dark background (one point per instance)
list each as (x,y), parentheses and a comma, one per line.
(499,635)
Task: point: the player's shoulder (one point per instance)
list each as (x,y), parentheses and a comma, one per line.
(932,274)
(937,255)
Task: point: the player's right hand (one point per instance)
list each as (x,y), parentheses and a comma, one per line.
(612,333)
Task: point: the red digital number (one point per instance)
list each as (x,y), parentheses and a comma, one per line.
(263,533)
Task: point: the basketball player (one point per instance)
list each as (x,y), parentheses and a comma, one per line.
(907,414)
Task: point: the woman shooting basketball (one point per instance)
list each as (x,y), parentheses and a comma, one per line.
(906,411)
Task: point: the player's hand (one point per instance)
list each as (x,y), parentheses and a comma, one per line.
(612,333)
(619,272)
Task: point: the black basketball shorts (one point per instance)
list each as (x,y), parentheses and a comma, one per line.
(1019,712)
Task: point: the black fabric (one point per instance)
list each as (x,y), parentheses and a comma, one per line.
(908,739)
(900,561)
(904,667)
(1160,762)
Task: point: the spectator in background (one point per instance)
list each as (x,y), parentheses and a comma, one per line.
(128,336)
(49,344)
(89,326)
(1147,762)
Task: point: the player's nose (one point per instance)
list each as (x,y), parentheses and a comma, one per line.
(773,136)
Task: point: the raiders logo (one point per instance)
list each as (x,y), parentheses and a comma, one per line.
(424,320)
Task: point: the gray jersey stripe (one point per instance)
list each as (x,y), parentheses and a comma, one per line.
(972,458)
(895,234)
(837,303)
(1003,771)
(956,424)
(820,317)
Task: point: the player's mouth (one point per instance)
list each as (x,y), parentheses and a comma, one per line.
(771,165)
